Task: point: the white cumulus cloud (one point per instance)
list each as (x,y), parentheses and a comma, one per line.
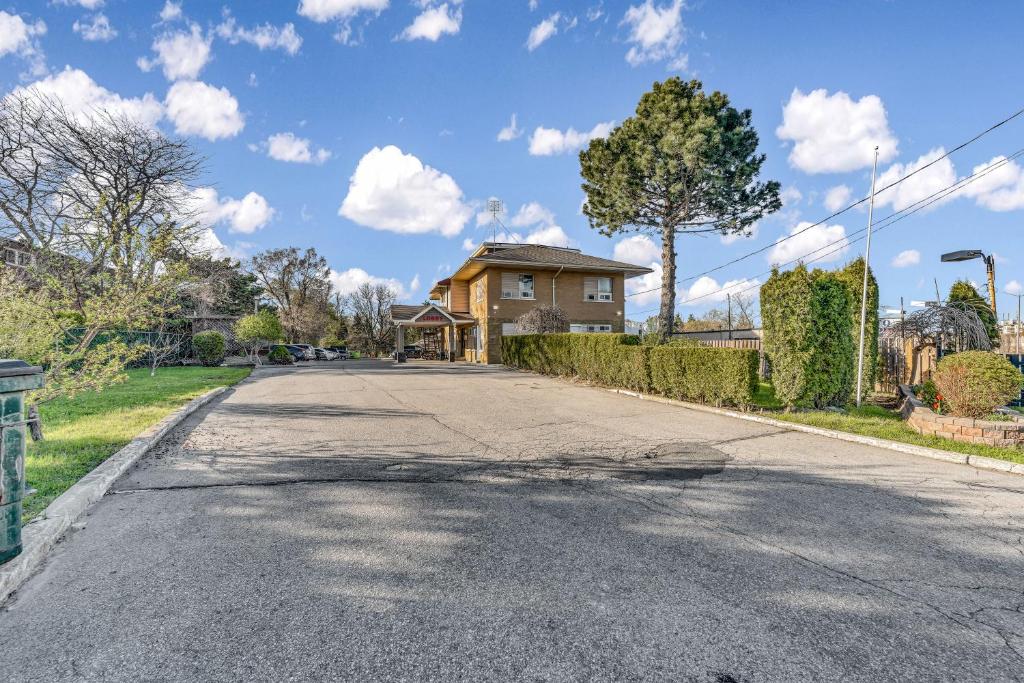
(825,243)
(919,187)
(1001,188)
(181,54)
(510,132)
(906,258)
(80,94)
(346,282)
(97,29)
(834,133)
(245,215)
(85,4)
(646,289)
(197,108)
(21,38)
(394,191)
(543,31)
(837,197)
(551,141)
(706,290)
(636,249)
(537,221)
(171,11)
(264,36)
(434,22)
(288,147)
(655,33)
(1013,287)
(341,11)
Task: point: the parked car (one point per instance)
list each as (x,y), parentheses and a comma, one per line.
(342,352)
(413,351)
(306,351)
(325,354)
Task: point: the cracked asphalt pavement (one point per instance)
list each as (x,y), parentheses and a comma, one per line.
(361,521)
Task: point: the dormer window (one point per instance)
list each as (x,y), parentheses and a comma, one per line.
(597,289)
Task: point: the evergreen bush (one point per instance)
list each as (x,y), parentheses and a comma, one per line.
(697,373)
(974,383)
(705,374)
(808,337)
(279,356)
(209,347)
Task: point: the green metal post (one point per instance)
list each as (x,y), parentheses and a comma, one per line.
(16,377)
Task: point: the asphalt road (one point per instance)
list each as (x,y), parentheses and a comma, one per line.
(360,521)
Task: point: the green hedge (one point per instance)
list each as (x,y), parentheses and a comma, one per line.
(619,360)
(808,338)
(705,375)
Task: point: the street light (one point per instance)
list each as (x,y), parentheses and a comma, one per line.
(990,268)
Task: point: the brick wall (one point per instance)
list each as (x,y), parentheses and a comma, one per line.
(925,421)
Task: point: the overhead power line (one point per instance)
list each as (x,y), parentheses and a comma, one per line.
(845,241)
(760,250)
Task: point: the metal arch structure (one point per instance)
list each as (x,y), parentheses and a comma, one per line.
(954,326)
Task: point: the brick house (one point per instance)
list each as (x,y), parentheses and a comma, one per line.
(480,302)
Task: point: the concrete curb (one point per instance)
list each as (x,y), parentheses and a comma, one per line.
(41,534)
(978,461)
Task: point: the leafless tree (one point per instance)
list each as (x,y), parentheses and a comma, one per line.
(98,186)
(543,319)
(744,311)
(298,283)
(370,307)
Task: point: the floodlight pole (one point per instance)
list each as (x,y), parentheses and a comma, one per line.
(864,289)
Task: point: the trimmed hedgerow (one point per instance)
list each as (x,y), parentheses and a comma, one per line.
(610,359)
(705,375)
(692,373)
(807,337)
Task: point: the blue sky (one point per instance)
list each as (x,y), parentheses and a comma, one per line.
(369,129)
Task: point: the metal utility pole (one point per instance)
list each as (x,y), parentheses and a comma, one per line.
(864,289)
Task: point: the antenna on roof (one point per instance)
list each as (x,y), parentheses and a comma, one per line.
(495,207)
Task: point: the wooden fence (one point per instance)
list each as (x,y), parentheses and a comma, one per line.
(755,344)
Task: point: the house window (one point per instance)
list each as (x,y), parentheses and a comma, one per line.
(597,289)
(16,257)
(479,290)
(587,327)
(516,286)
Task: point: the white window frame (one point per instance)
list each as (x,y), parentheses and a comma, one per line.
(592,290)
(518,291)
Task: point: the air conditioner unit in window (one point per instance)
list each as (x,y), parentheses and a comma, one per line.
(508,295)
(604,297)
(591,297)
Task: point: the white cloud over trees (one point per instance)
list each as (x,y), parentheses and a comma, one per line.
(551,141)
(394,191)
(834,133)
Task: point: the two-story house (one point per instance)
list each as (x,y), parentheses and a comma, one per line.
(481,301)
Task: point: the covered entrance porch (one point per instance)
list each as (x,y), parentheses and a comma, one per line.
(455,333)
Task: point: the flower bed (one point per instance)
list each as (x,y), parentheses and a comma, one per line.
(967,429)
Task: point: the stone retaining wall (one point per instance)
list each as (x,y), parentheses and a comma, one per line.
(925,421)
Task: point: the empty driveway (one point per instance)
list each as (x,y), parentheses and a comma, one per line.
(431,522)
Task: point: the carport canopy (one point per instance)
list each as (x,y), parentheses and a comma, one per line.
(429,315)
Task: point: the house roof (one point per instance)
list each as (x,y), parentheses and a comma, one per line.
(540,254)
(405,313)
(536,256)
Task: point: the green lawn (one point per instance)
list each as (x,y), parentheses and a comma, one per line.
(84,431)
(872,420)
